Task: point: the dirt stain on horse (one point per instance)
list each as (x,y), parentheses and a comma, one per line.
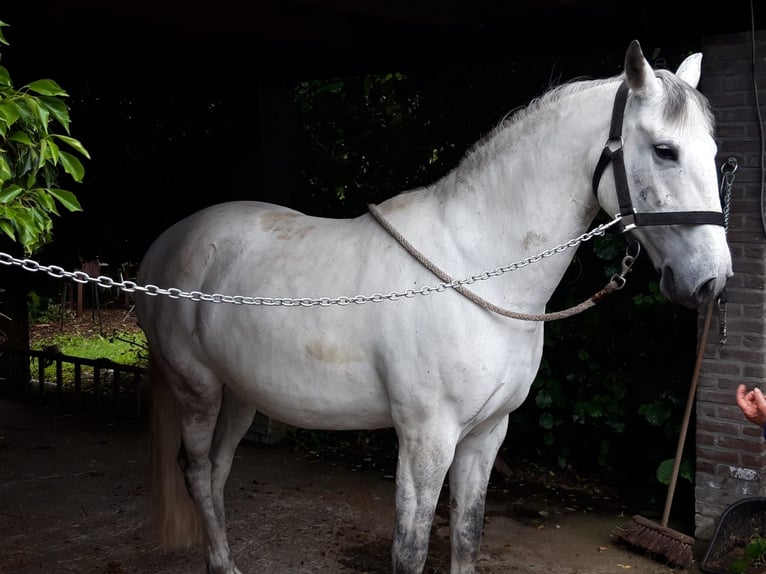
(533,240)
(285,225)
(332,354)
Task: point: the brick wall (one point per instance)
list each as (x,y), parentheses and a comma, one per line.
(731,453)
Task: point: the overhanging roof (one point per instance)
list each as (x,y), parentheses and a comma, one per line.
(307,36)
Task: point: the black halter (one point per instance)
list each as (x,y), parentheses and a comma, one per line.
(629,218)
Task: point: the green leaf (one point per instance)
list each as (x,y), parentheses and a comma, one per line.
(7,228)
(10,193)
(65,198)
(28,237)
(45,199)
(9,113)
(546,421)
(51,151)
(756,549)
(42,114)
(24,218)
(45,154)
(74,144)
(21,137)
(5,170)
(606,247)
(595,409)
(543,399)
(2,37)
(72,166)
(665,470)
(655,413)
(57,109)
(46,88)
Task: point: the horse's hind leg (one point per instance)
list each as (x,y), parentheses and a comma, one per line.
(234,420)
(200,402)
(468,478)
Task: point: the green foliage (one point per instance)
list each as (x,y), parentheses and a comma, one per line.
(123,347)
(41,310)
(342,121)
(665,470)
(754,556)
(32,158)
(756,550)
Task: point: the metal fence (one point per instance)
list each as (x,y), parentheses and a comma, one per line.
(99,384)
(96,383)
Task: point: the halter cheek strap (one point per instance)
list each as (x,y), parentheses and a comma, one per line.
(612,153)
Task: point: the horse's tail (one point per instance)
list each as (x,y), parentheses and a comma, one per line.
(173,511)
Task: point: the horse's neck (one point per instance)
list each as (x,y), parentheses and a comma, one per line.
(524,190)
(537,172)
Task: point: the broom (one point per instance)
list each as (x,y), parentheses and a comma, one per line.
(657,539)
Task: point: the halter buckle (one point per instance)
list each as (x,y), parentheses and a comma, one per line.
(614,143)
(627,220)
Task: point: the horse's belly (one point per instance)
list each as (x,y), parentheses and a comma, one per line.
(311,394)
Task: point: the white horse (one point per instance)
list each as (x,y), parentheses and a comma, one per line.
(444,371)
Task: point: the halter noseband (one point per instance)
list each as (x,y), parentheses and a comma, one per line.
(629,218)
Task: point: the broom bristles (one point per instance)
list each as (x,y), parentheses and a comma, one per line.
(675,547)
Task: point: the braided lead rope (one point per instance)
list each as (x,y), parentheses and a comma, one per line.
(728,169)
(617,281)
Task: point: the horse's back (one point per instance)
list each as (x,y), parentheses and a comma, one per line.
(218,227)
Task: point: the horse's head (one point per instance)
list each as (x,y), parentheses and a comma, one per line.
(669,157)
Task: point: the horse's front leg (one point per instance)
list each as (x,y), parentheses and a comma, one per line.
(424,458)
(468,478)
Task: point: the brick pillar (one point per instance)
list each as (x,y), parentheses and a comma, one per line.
(731,452)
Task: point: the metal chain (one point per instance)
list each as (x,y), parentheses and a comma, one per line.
(175,293)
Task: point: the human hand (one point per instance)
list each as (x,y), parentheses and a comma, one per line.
(753,405)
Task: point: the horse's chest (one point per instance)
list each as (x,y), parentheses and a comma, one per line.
(486,371)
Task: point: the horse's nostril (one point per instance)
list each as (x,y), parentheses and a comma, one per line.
(706,291)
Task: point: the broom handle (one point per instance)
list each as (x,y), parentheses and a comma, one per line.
(687,413)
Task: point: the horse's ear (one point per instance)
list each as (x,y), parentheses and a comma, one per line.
(639,73)
(690,69)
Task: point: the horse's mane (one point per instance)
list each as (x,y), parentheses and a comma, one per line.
(529,113)
(678,94)
(541,103)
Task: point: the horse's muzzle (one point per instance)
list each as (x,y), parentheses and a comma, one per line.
(702,294)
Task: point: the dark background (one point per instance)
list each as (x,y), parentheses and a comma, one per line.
(185,104)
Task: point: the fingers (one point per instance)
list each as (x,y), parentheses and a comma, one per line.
(760,400)
(741,392)
(744,398)
(752,404)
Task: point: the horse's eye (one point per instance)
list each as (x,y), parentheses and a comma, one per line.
(666,152)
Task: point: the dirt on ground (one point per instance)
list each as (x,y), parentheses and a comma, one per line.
(73,499)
